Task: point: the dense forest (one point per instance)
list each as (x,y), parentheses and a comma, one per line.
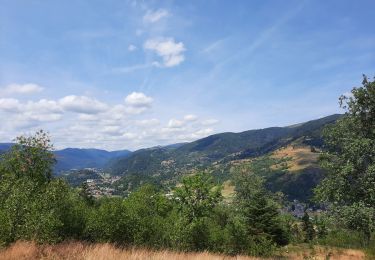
(194,216)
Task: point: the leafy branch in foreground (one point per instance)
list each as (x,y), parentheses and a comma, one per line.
(349,160)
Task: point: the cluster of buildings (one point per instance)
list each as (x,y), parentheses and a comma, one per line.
(298,209)
(102,187)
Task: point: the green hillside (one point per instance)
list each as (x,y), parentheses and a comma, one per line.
(218,153)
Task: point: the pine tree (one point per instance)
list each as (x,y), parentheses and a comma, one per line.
(308,227)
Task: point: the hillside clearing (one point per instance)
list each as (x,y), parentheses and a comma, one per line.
(300,157)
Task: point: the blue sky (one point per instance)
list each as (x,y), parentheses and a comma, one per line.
(132,74)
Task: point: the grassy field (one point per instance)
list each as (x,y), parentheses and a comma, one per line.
(84,251)
(228,190)
(300,157)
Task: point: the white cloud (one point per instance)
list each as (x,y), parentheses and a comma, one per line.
(174,123)
(88,117)
(44,105)
(148,122)
(132,47)
(138,99)
(169,131)
(28,88)
(42,110)
(135,110)
(129,135)
(154,16)
(190,118)
(117,112)
(168,49)
(82,104)
(81,121)
(10,105)
(112,130)
(42,117)
(29,114)
(202,133)
(210,122)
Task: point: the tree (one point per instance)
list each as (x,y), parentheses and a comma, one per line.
(195,201)
(108,222)
(197,196)
(258,209)
(308,227)
(33,206)
(148,211)
(86,194)
(31,157)
(349,159)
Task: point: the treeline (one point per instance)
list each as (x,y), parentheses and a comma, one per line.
(194,217)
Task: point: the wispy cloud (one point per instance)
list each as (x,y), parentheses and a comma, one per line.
(154,16)
(214,46)
(23,89)
(132,47)
(264,36)
(133,68)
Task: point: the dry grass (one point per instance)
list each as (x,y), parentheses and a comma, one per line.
(82,251)
(228,190)
(323,253)
(301,157)
(79,250)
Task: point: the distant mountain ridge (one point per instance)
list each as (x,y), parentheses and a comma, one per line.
(218,147)
(5,146)
(77,158)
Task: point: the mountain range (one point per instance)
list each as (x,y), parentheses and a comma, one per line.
(284,155)
(219,147)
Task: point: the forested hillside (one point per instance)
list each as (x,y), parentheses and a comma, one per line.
(164,166)
(73,158)
(220,147)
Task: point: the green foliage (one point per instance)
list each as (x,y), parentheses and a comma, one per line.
(108,222)
(258,210)
(76,177)
(345,238)
(33,205)
(197,196)
(29,158)
(195,201)
(308,227)
(149,213)
(350,161)
(357,216)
